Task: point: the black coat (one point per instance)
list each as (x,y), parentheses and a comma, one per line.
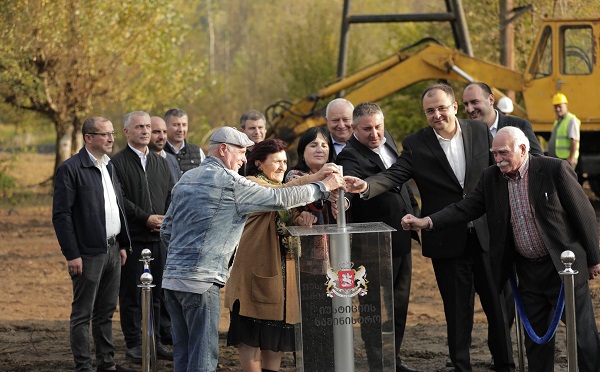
(78,207)
(146,193)
(423,160)
(563,214)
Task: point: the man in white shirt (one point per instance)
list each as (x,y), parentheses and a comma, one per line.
(89,219)
(446,160)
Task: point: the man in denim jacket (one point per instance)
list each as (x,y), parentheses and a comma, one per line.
(202,229)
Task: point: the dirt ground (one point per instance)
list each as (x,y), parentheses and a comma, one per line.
(36,294)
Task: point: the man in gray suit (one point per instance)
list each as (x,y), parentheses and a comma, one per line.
(446,160)
(552,213)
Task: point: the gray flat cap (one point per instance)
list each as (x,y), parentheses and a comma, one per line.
(232,136)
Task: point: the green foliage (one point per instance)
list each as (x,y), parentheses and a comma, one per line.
(65,59)
(68,59)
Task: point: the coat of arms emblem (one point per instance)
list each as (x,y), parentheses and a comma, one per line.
(346,282)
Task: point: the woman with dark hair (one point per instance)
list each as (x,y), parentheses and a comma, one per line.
(314,150)
(262,290)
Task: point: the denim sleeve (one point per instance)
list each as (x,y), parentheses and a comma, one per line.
(251,197)
(165,228)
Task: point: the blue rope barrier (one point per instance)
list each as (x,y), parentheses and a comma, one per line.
(560,306)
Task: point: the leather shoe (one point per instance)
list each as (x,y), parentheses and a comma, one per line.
(401,367)
(449,363)
(135,354)
(117,368)
(163,353)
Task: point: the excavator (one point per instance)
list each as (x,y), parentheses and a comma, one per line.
(565,59)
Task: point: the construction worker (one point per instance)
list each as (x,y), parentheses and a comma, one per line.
(564,141)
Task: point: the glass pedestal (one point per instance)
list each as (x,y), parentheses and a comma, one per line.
(346,299)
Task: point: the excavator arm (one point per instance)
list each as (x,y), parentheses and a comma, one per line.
(426,60)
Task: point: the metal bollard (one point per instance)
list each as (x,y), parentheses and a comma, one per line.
(148,344)
(567,258)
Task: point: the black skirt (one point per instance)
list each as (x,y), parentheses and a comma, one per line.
(272,335)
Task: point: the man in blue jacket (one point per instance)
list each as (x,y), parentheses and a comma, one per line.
(90,225)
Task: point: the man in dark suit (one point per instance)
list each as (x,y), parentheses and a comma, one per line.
(446,161)
(553,214)
(367,152)
(479,105)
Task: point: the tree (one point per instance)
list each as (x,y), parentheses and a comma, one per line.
(63,58)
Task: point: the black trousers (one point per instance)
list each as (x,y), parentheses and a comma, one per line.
(458,279)
(539,285)
(130,295)
(401,277)
(402,272)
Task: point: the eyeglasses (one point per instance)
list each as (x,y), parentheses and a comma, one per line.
(105,134)
(441,110)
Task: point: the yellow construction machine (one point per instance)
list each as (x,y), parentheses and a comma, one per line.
(565,59)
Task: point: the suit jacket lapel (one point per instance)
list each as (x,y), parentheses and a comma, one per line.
(536,183)
(501,120)
(467,136)
(501,192)
(366,152)
(390,143)
(433,143)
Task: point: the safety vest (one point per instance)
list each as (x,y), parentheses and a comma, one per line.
(563,143)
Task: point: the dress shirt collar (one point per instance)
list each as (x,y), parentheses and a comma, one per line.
(105,159)
(494,127)
(175,150)
(458,133)
(337,146)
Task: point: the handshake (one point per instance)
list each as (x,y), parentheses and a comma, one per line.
(332,178)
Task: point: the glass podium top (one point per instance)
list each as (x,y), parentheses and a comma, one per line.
(353,228)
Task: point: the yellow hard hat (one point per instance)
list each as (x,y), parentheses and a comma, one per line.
(559,98)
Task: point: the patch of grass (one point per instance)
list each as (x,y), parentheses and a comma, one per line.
(25,178)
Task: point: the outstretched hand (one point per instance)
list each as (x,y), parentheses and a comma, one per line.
(355,185)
